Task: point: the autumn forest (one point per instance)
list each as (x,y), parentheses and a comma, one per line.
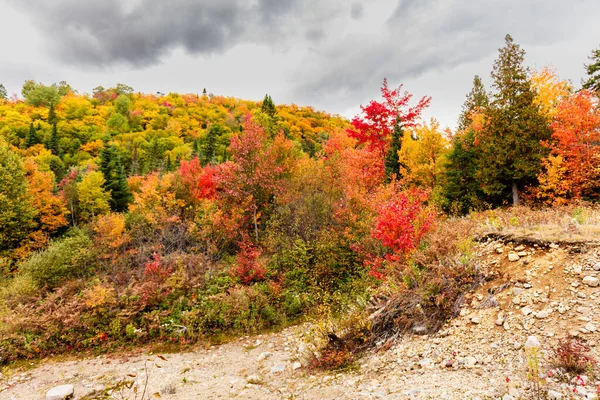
(130,218)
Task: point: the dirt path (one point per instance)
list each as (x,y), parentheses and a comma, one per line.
(479,355)
(246,369)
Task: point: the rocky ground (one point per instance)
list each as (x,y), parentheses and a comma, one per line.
(534,293)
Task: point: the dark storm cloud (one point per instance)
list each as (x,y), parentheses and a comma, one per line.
(108,32)
(420,36)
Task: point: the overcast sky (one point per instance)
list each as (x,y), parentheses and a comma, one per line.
(331,54)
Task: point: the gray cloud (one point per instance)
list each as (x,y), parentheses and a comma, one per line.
(357,10)
(420,36)
(107,32)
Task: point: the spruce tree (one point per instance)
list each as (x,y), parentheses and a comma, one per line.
(3,93)
(53,143)
(510,150)
(32,138)
(593,72)
(120,195)
(268,107)
(392,160)
(210,146)
(195,148)
(477,99)
(51,114)
(115,179)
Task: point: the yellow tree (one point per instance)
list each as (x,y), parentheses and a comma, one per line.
(549,90)
(423,155)
(93,199)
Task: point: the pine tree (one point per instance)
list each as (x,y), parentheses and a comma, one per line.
(461,193)
(119,190)
(32,138)
(51,114)
(268,107)
(593,72)
(3,93)
(168,165)
(204,92)
(53,143)
(477,100)
(195,148)
(210,146)
(510,150)
(115,179)
(392,160)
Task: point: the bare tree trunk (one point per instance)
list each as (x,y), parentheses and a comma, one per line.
(515,194)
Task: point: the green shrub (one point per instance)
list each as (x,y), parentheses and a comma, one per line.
(64,259)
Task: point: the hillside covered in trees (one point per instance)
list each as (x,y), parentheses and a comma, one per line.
(129,217)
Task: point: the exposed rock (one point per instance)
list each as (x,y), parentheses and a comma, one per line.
(591,281)
(264,355)
(296,365)
(590,327)
(542,314)
(60,392)
(554,395)
(275,369)
(526,311)
(512,257)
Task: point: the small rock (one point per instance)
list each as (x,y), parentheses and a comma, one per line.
(522,253)
(542,314)
(520,248)
(591,281)
(527,285)
(499,250)
(60,392)
(275,369)
(532,342)
(590,327)
(554,395)
(470,362)
(265,355)
(327,378)
(449,363)
(296,366)
(596,267)
(512,257)
(254,380)
(526,311)
(476,319)
(517,291)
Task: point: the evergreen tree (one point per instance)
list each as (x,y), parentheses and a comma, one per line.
(3,93)
(53,143)
(204,92)
(115,179)
(477,99)
(32,138)
(392,160)
(593,72)
(510,149)
(51,114)
(268,107)
(210,146)
(168,165)
(119,191)
(154,155)
(195,148)
(461,193)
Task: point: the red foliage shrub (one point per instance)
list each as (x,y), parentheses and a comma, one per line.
(573,355)
(248,268)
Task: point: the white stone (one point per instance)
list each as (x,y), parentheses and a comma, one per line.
(476,319)
(277,369)
(296,366)
(532,342)
(554,395)
(265,355)
(512,257)
(591,281)
(60,392)
(542,314)
(526,310)
(590,327)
